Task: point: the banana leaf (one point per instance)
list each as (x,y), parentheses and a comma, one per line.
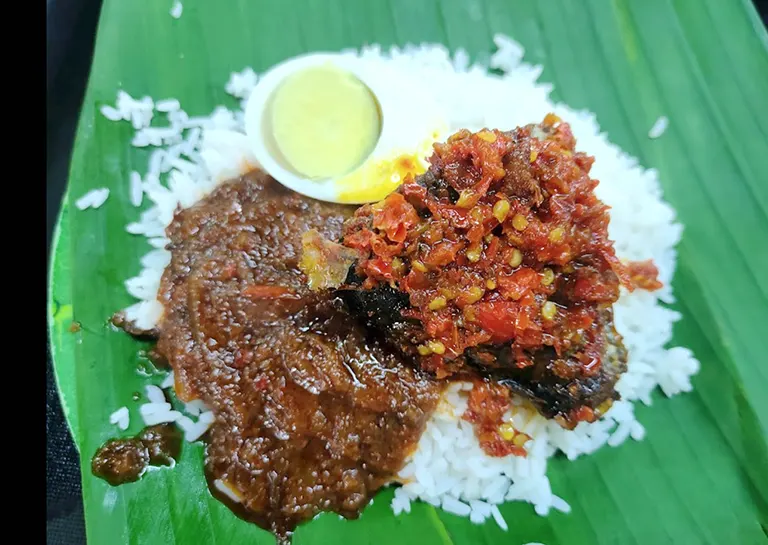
(701,474)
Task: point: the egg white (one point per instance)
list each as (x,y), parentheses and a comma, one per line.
(411,121)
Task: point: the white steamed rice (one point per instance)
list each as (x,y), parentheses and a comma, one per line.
(177,9)
(120,418)
(658,127)
(92,199)
(449,469)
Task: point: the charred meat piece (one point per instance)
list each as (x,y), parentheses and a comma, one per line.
(557,386)
(496,262)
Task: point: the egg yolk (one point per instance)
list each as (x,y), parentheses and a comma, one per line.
(324,121)
(377,179)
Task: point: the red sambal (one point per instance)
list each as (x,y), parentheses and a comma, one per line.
(502,241)
(486,406)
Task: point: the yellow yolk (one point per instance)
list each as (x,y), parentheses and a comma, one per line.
(377,179)
(324,121)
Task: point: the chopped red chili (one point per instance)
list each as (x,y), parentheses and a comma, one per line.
(644,275)
(502,240)
(488,401)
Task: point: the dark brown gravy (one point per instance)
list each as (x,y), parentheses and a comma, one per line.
(312,415)
(121,461)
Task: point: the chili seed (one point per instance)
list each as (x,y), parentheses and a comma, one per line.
(501,209)
(507,431)
(516,259)
(437,347)
(474,253)
(474,294)
(556,234)
(547,277)
(548,310)
(519,222)
(437,303)
(424,350)
(465,198)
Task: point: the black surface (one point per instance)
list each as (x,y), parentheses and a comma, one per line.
(70,33)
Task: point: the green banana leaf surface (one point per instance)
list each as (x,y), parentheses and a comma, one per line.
(701,474)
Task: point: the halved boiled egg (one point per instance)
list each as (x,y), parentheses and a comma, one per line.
(338,128)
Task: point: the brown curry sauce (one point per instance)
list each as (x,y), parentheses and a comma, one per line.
(121,461)
(311,414)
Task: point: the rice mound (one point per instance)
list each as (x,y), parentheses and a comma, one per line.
(449,469)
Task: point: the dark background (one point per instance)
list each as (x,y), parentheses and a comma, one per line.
(71,27)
